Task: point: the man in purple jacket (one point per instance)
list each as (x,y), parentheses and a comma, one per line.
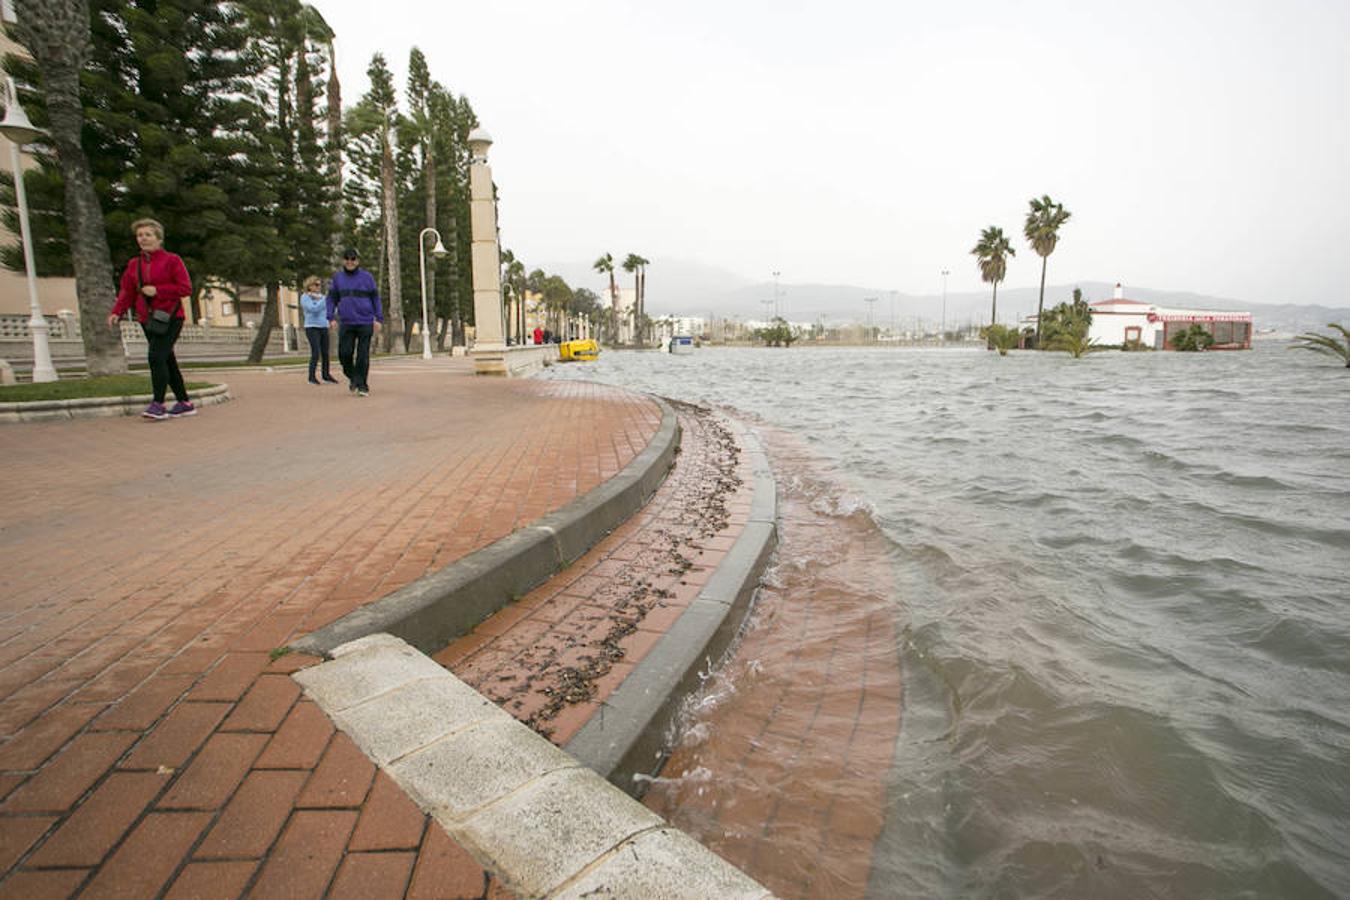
(354,305)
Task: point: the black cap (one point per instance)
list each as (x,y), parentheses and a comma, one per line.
(350,253)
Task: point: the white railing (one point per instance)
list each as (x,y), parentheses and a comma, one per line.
(15,327)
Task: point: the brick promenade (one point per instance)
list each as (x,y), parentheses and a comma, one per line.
(553,658)
(150,742)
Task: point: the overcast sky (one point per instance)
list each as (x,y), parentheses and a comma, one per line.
(1200,146)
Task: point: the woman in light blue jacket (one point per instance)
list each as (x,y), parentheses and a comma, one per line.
(314,303)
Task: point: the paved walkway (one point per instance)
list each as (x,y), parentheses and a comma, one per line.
(151,741)
(553,658)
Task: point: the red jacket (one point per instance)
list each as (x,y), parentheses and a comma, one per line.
(166,272)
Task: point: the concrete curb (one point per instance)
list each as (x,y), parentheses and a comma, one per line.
(98,407)
(437,608)
(628,737)
(527,811)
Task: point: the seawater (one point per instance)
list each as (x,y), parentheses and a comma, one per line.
(1122,586)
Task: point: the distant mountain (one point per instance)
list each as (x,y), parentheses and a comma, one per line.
(681,287)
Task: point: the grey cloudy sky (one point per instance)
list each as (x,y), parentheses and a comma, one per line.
(1200,146)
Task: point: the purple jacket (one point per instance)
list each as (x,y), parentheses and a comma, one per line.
(353,298)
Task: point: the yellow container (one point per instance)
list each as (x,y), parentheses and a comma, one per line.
(571,351)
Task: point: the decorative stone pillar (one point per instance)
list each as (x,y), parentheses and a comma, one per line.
(489,337)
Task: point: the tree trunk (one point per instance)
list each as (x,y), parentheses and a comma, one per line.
(394,319)
(335,150)
(56,32)
(269,320)
(993,310)
(1040,304)
(429,162)
(456,325)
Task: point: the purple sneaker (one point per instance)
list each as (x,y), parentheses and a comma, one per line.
(183,408)
(155,411)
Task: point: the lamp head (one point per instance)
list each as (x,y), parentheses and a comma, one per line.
(439,249)
(16,125)
(479,141)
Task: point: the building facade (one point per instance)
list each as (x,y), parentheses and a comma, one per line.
(1121,321)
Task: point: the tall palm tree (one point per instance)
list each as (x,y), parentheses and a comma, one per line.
(605,265)
(636,266)
(992,254)
(56,33)
(1326,343)
(1044,220)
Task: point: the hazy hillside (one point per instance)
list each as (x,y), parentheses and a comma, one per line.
(681,287)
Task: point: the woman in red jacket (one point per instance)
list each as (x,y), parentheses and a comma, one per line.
(153,287)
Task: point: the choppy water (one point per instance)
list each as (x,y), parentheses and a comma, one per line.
(1123,586)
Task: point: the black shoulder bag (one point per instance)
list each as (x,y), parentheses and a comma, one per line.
(158,320)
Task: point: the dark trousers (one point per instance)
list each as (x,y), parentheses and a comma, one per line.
(164,373)
(354,353)
(318,349)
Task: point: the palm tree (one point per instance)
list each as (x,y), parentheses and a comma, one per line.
(1042,231)
(1001,338)
(1074,344)
(992,253)
(636,266)
(1326,343)
(57,33)
(605,265)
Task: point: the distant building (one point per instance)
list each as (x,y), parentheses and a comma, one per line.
(1120,320)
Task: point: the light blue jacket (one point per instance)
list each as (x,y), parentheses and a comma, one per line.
(316,310)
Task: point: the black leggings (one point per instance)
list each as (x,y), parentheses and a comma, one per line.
(318,348)
(164,372)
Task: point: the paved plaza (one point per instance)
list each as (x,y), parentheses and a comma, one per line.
(148,570)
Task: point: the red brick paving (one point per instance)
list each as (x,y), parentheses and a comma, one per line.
(150,743)
(783,770)
(552,658)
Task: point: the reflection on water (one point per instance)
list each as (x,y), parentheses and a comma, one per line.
(1121,589)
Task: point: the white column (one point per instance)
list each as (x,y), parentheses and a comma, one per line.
(486,259)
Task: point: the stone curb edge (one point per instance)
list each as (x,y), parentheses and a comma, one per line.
(97,407)
(432,611)
(627,739)
(525,810)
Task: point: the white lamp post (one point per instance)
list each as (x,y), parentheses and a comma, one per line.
(438,250)
(18,130)
(943,336)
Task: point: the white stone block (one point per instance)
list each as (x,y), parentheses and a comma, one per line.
(664,865)
(365,673)
(416,715)
(461,773)
(549,831)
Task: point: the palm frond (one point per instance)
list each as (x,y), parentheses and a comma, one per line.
(1326,344)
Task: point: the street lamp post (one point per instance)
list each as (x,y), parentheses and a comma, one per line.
(18,130)
(438,250)
(943,336)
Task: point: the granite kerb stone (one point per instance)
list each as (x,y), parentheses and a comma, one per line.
(432,611)
(526,811)
(627,740)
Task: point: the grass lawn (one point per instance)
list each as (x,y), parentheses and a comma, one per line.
(72,388)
